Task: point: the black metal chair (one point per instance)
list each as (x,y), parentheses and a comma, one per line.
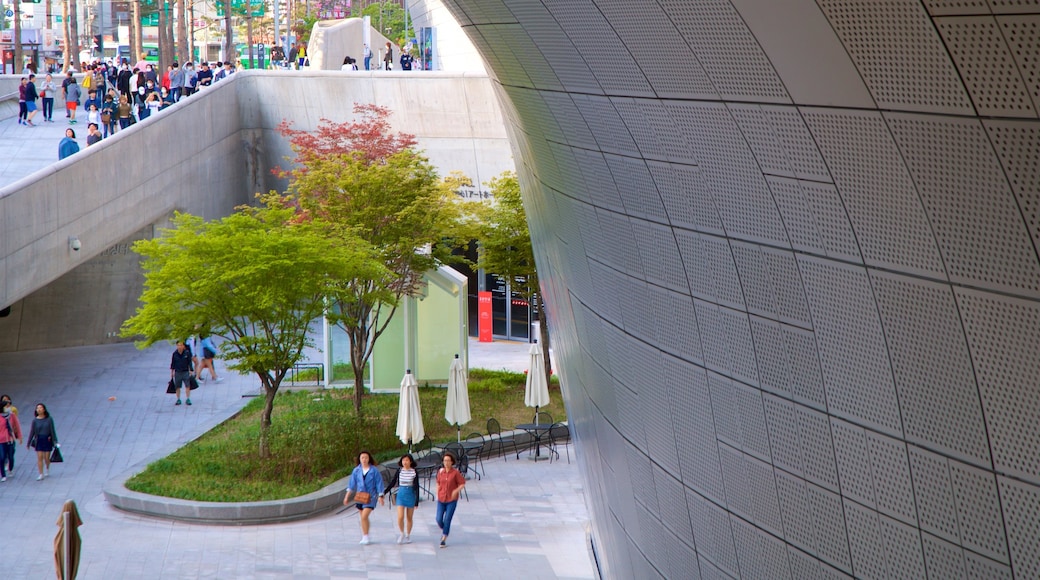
(425,468)
(495,438)
(559,435)
(543,418)
(477,455)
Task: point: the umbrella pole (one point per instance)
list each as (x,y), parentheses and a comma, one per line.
(65,545)
(536,414)
(458,433)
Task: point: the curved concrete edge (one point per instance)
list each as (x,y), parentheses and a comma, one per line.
(235,513)
(226,513)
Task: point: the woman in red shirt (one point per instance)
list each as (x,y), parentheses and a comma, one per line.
(449,484)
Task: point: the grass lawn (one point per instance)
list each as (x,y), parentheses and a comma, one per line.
(315,436)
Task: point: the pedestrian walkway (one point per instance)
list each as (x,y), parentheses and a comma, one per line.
(25,150)
(524,520)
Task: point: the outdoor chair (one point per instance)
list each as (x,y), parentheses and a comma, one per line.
(543,418)
(559,436)
(496,439)
(423,447)
(425,468)
(477,455)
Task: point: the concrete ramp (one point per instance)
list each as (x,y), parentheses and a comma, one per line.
(204,155)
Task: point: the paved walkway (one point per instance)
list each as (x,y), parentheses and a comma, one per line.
(524,520)
(25,150)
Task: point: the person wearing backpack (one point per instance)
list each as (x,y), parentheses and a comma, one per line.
(10,431)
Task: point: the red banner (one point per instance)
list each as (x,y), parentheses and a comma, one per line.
(485,321)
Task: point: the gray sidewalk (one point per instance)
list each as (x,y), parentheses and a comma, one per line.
(25,150)
(524,520)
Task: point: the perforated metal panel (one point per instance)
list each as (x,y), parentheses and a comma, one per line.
(712,532)
(856,370)
(761,555)
(901,57)
(933,491)
(784,437)
(1002,335)
(984,61)
(695,431)
(905,558)
(741,196)
(868,555)
(854,469)
(794,510)
(873,271)
(1023,39)
(892,488)
(832,540)
(1017,144)
(982,568)
(942,559)
(937,392)
(686,197)
(660,254)
(982,239)
(879,195)
(1021,504)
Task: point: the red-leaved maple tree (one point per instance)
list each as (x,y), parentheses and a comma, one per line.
(362,178)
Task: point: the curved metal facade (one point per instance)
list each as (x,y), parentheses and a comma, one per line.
(790,253)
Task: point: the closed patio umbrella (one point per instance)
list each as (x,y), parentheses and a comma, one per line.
(67,542)
(409,413)
(456,410)
(536,393)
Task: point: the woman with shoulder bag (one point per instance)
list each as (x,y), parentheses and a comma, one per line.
(43,438)
(407,484)
(365,485)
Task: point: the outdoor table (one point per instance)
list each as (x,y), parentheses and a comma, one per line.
(536,431)
(469,447)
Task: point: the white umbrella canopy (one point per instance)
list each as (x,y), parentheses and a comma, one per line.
(536,393)
(409,413)
(456,411)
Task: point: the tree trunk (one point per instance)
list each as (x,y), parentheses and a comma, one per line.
(543,331)
(135,32)
(265,418)
(66,53)
(357,364)
(19,62)
(183,41)
(229,39)
(74,32)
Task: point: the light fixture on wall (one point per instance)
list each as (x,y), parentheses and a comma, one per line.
(74,243)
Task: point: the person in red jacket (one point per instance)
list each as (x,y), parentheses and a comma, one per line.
(10,431)
(449,485)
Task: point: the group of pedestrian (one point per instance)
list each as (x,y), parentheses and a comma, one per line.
(185,366)
(407,60)
(114,96)
(365,488)
(43,438)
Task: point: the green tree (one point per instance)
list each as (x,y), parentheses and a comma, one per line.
(361,178)
(256,278)
(505,247)
(388,18)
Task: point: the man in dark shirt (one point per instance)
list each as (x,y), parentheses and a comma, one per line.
(205,75)
(181,367)
(406,61)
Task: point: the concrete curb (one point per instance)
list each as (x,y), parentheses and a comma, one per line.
(313,504)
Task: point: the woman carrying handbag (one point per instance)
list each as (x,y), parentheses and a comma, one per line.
(364,489)
(43,438)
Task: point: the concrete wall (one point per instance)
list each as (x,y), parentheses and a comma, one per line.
(205,155)
(331,40)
